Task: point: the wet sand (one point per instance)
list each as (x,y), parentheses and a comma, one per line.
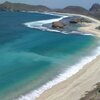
(76,86)
(86,79)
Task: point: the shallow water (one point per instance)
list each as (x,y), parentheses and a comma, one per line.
(29,58)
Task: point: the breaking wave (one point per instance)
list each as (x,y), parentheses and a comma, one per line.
(63,76)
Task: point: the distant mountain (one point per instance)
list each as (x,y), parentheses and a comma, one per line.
(94,11)
(95,8)
(75,9)
(22,7)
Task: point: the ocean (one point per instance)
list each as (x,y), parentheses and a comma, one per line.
(33,59)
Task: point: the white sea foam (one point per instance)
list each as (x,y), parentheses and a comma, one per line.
(63,76)
(39,24)
(82,33)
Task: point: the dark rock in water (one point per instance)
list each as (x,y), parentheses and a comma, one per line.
(85,20)
(58,24)
(64,25)
(75,19)
(73,22)
(67,22)
(80,20)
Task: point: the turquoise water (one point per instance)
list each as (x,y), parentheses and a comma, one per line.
(30,57)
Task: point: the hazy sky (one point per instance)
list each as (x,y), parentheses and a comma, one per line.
(58,3)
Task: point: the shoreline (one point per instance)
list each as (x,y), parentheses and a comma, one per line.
(42,93)
(75,87)
(73,70)
(91,27)
(85,28)
(74,84)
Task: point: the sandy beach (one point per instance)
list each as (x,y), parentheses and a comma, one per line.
(90,27)
(85,80)
(76,86)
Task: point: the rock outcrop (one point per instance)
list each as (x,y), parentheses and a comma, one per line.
(67,22)
(58,24)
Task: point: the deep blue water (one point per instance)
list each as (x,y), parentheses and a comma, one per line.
(30,57)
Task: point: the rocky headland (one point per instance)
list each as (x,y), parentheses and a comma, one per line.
(68,24)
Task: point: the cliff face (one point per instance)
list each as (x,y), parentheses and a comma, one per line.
(20,7)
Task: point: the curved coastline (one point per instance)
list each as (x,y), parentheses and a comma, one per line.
(33,95)
(67,86)
(85,29)
(39,24)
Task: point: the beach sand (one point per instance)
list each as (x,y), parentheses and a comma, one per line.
(76,86)
(90,27)
(86,79)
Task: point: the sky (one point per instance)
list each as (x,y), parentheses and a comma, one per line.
(57,3)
